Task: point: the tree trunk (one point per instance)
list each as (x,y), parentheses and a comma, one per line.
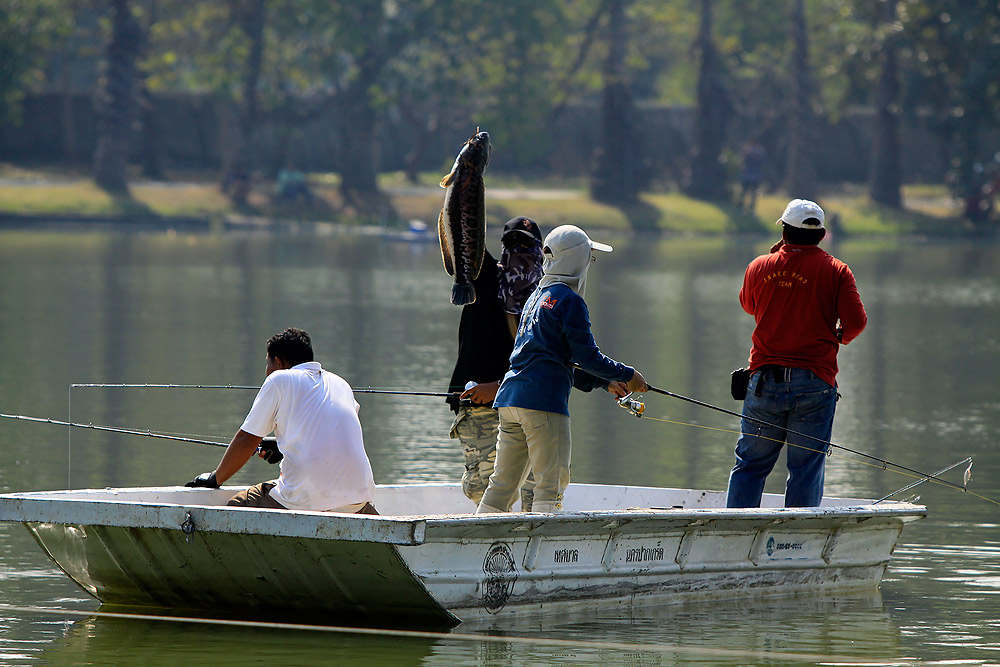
(360,167)
(152,147)
(617,165)
(250,16)
(801,175)
(116,101)
(886,174)
(359,129)
(708,176)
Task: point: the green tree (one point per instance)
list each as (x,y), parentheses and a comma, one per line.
(27,30)
(952,60)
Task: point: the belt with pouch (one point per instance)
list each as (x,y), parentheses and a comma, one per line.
(778,374)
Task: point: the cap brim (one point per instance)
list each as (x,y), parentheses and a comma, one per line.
(511,232)
(603,247)
(791,224)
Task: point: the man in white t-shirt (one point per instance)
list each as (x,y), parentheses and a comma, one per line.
(315,421)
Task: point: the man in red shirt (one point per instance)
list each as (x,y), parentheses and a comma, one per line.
(806,305)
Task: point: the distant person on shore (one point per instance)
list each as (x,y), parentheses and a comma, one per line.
(291,185)
(806,305)
(753,175)
(554,351)
(315,420)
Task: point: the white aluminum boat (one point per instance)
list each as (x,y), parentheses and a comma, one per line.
(426,559)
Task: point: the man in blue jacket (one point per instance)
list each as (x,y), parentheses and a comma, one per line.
(554,351)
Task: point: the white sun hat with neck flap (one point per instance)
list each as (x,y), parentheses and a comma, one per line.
(567,251)
(566,237)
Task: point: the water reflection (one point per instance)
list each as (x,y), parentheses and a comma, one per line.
(842,629)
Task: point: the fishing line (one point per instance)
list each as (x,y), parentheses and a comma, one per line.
(762,422)
(564,644)
(882,464)
(968,473)
(921,478)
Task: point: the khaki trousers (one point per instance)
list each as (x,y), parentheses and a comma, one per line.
(259,495)
(530,441)
(477,428)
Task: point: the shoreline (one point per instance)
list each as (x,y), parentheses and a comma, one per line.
(62,202)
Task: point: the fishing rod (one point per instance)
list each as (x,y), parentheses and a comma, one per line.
(147,385)
(761,422)
(441,394)
(113,429)
(966,477)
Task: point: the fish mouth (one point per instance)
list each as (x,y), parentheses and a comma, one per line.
(478,148)
(479,140)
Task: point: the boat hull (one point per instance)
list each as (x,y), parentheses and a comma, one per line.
(183,549)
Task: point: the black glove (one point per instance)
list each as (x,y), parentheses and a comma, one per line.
(269,448)
(206,479)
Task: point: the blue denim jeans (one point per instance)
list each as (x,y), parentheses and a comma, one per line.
(796,400)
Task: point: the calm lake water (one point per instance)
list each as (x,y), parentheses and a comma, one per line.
(920,387)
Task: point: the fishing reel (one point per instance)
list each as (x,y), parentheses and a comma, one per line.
(634,406)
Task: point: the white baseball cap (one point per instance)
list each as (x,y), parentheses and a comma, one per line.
(564,237)
(799,211)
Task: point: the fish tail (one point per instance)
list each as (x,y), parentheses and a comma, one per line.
(463,294)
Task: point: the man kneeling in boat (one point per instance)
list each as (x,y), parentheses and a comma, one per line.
(314,417)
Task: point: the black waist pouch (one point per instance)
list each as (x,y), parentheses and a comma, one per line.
(739,379)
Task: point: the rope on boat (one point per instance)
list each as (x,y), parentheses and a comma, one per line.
(455,636)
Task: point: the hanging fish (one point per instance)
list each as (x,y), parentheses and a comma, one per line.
(462,222)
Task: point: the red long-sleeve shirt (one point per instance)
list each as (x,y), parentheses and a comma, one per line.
(797,295)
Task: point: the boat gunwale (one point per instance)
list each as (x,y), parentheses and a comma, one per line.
(75,508)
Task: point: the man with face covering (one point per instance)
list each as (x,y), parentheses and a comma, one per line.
(554,351)
(485,340)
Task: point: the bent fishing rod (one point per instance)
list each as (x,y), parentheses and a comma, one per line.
(761,422)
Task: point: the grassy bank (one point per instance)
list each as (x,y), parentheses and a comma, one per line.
(928,209)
